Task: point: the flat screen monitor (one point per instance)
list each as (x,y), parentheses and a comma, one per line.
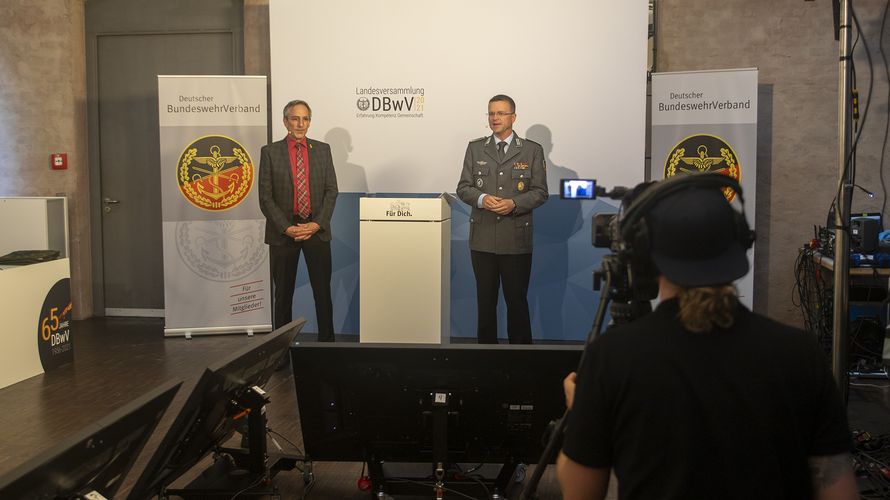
(95,459)
(210,415)
(373,402)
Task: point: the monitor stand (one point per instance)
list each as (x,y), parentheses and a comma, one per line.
(244,472)
(414,479)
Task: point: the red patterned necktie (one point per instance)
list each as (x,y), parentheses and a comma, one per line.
(302,185)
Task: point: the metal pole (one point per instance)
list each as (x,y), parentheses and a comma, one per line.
(842,210)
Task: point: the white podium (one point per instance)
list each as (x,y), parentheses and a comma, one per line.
(404,270)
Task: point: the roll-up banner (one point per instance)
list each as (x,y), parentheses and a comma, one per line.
(216,269)
(706,121)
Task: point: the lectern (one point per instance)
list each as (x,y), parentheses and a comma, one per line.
(404,270)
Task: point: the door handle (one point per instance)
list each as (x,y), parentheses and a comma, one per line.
(108,202)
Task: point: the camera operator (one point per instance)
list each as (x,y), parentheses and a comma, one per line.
(703,398)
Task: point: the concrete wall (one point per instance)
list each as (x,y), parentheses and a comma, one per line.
(257,55)
(792,43)
(43,111)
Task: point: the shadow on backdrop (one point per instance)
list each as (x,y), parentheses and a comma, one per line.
(555,223)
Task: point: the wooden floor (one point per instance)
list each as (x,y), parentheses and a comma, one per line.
(118,359)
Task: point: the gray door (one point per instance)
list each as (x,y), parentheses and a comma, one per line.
(127,68)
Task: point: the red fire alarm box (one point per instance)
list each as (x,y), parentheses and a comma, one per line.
(59,161)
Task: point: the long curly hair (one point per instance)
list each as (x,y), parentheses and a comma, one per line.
(703,309)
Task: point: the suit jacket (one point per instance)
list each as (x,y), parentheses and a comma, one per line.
(520,176)
(277,189)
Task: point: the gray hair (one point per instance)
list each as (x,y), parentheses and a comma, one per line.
(297,102)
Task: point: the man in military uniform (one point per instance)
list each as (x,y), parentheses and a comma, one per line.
(503,179)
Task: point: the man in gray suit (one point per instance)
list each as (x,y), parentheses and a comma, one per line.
(298,189)
(503,179)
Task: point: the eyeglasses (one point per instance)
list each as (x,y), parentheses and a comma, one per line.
(499,114)
(299,119)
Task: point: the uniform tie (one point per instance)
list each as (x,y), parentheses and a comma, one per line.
(501,146)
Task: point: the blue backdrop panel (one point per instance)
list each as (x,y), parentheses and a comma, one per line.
(561,296)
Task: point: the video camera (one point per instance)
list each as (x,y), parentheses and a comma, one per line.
(628,277)
(629,282)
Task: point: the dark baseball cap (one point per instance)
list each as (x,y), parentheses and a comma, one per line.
(694,239)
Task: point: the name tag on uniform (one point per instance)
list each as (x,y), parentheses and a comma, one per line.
(520,165)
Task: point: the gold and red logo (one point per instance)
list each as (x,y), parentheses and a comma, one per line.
(704,153)
(215,173)
(55,344)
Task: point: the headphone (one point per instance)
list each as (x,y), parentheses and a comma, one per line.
(634,228)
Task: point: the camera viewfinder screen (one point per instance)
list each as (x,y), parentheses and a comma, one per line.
(578,189)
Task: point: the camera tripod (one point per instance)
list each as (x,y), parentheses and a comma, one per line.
(625,304)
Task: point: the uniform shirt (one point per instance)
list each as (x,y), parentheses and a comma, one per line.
(508,140)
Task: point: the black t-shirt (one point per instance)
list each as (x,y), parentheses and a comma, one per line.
(727,414)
